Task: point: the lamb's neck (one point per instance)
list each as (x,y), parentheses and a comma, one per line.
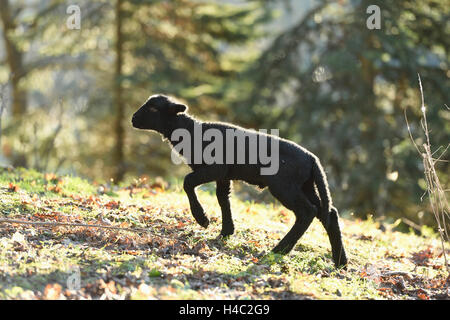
(182,121)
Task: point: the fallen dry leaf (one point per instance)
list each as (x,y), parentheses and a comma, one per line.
(12,187)
(52,291)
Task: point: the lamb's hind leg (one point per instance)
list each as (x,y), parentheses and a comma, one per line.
(330,222)
(304,214)
(334,234)
(223,193)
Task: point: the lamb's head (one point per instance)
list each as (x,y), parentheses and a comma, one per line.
(156,113)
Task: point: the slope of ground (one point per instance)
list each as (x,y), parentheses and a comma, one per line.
(161,253)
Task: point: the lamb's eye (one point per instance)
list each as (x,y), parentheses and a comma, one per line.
(152,109)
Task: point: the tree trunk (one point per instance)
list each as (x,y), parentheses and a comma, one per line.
(118,100)
(14,61)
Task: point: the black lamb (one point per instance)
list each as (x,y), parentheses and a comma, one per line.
(299,182)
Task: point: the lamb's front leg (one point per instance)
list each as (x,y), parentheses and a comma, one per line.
(191,181)
(223,193)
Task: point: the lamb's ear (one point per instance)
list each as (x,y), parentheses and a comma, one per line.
(175,108)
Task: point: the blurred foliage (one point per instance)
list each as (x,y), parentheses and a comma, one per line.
(188,49)
(341,89)
(312,69)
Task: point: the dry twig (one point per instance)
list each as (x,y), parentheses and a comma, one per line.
(438,200)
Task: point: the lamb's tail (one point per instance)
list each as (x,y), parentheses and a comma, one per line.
(324,192)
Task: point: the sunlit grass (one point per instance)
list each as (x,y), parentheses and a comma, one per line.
(177,259)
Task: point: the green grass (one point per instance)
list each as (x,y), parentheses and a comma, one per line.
(177,259)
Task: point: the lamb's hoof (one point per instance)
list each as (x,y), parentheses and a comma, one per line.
(226,234)
(227,231)
(341,266)
(203,221)
(341,263)
(281,250)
